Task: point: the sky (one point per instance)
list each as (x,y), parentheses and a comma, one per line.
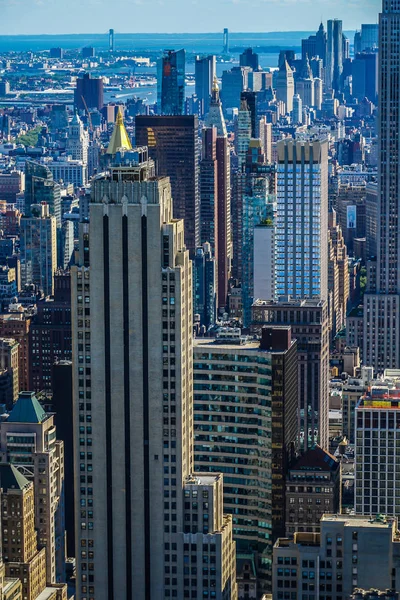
(172,16)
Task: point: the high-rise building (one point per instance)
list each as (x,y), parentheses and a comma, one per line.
(315,45)
(205,285)
(253,206)
(382,301)
(16,325)
(42,462)
(302,220)
(88,52)
(111,42)
(12,183)
(365,76)
(350,551)
(334,55)
(89,92)
(371,218)
(369,36)
(41,187)
(377,423)
(309,320)
(38,248)
(249,58)
(78,140)
(20,552)
(173,145)
(9,368)
(264,260)
(244,133)
(51,333)
(215,118)
(263,403)
(62,406)
(56,53)
(171,83)
(338,276)
(226,41)
(297,109)
(209,189)
(141,516)
(284,85)
(205,72)
(313,489)
(234,82)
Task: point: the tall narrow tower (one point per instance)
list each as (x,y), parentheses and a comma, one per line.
(111,44)
(132,347)
(382,302)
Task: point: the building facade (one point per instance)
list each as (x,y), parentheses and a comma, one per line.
(310,326)
(301,269)
(133,460)
(173,145)
(334,563)
(382,300)
(313,489)
(29,443)
(38,249)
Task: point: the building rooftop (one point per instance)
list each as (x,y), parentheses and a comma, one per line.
(288,301)
(27,409)
(381,521)
(11,478)
(202,479)
(316,459)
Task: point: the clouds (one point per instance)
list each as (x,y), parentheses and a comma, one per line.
(75,16)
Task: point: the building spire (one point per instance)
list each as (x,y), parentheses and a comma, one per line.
(120,138)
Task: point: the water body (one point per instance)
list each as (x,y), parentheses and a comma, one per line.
(200,42)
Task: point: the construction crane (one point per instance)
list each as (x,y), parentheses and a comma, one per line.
(88,114)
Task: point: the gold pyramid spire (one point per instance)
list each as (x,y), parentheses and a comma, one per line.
(120,138)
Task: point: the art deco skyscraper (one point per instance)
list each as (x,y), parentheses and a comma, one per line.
(382,301)
(140,515)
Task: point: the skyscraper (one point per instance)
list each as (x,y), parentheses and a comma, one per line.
(382,300)
(215,118)
(310,326)
(111,45)
(78,140)
(142,517)
(226,41)
(284,85)
(38,248)
(334,55)
(89,92)
(205,72)
(302,220)
(209,190)
(297,109)
(264,402)
(171,83)
(51,333)
(173,145)
(41,187)
(205,285)
(249,58)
